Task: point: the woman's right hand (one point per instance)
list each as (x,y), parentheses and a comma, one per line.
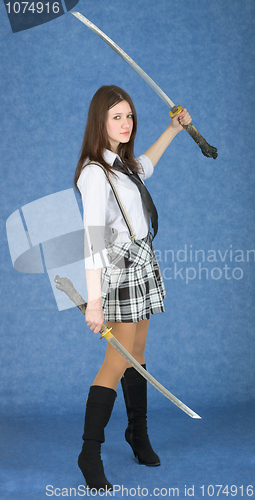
(94,315)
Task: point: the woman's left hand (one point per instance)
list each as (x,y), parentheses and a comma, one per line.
(183,118)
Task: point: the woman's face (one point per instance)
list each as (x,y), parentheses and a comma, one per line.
(119,124)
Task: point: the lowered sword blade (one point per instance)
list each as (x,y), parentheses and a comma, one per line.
(65,285)
(207,150)
(119,347)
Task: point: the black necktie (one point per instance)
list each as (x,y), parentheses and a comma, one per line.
(145,195)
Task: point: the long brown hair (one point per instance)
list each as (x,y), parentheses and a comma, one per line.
(95,139)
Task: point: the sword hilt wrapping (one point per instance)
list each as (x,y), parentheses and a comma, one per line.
(207,150)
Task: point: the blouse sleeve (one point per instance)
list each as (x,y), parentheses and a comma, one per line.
(146,167)
(94,190)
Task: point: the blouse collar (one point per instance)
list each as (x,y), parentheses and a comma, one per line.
(110,157)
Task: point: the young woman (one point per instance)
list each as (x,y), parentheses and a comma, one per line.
(123,278)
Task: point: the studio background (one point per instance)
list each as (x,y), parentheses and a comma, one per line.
(202,348)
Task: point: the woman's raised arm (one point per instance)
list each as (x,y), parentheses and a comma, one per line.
(157,149)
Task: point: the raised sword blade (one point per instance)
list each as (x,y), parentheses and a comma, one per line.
(207,150)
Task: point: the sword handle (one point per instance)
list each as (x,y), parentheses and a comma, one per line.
(65,285)
(207,150)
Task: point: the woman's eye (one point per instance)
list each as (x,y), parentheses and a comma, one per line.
(118,117)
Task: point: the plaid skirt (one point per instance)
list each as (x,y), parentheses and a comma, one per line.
(132,286)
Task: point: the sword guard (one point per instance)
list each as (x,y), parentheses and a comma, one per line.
(175,110)
(106,333)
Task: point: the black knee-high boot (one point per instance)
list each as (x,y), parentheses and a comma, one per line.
(134,388)
(98,411)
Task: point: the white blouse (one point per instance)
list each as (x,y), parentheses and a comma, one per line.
(102,217)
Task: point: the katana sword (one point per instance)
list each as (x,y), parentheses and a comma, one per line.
(207,150)
(65,285)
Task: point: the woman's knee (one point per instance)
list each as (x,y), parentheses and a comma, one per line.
(138,350)
(139,345)
(118,367)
